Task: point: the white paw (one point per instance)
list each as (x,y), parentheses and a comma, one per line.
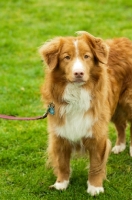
(118,148)
(92,190)
(131,151)
(60,185)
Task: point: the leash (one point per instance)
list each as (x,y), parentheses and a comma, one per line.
(9,117)
(50,110)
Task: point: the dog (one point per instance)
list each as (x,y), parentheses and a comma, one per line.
(89,82)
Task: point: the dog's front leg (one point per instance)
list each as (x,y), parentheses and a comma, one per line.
(59,156)
(99,151)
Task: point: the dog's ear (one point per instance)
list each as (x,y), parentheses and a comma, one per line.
(50,51)
(99,48)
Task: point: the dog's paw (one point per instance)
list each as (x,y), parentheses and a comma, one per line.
(131,151)
(93,191)
(60,185)
(118,148)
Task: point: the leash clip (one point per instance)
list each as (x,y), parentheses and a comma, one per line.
(51,110)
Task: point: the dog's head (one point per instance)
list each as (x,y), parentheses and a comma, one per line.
(75,58)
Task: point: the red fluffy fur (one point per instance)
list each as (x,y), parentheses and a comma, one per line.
(107,76)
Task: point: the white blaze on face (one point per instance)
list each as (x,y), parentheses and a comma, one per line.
(76,47)
(77,66)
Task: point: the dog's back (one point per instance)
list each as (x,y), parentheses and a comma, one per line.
(120,69)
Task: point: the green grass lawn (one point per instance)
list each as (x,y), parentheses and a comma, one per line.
(24,26)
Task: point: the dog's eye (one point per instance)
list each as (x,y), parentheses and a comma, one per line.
(86,56)
(67,57)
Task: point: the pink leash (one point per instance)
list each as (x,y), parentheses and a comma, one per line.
(50,110)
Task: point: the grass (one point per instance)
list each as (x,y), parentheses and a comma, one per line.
(24,26)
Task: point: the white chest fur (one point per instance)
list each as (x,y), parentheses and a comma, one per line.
(77,124)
